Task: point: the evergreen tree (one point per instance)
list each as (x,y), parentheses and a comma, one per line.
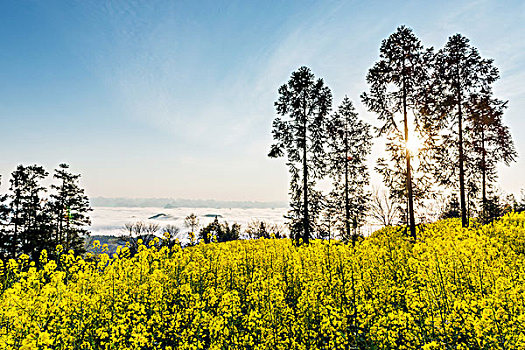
(349,144)
(208,232)
(519,206)
(30,221)
(227,233)
(70,208)
(461,72)
(304,104)
(218,232)
(5,232)
(452,208)
(488,141)
(331,221)
(398,82)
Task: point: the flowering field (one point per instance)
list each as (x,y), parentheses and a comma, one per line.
(454,289)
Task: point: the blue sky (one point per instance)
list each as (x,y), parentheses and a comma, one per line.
(175,98)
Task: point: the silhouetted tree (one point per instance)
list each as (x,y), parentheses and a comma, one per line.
(497,204)
(488,141)
(260,229)
(304,104)
(138,233)
(192,222)
(172,230)
(170,233)
(218,232)
(452,208)
(330,224)
(397,85)
(519,206)
(383,209)
(30,217)
(349,143)
(70,207)
(5,232)
(461,72)
(209,231)
(227,233)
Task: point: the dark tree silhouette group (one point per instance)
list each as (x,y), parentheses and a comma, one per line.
(30,221)
(442,98)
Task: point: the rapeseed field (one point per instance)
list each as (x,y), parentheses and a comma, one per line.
(454,288)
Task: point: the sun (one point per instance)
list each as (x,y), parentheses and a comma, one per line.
(413,145)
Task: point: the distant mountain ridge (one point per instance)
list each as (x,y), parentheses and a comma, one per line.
(182,203)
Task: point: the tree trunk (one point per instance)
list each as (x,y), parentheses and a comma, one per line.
(15,233)
(410,194)
(347,204)
(60,224)
(483,172)
(67,231)
(464,221)
(306,222)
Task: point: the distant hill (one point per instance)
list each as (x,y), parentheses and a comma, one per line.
(182,203)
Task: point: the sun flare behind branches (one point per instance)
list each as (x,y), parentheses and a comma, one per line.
(414,144)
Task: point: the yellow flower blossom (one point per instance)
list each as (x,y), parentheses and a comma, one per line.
(454,288)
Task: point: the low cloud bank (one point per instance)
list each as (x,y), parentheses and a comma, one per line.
(182,203)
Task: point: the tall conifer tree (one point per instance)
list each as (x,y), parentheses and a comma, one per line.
(460,73)
(304,103)
(488,141)
(5,232)
(70,208)
(29,217)
(397,82)
(349,143)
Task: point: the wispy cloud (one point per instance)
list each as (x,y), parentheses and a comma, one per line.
(195,83)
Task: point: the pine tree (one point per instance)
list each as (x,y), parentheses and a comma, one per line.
(70,208)
(5,232)
(451,209)
(349,144)
(397,85)
(218,232)
(227,233)
(208,232)
(304,104)
(488,141)
(31,231)
(460,72)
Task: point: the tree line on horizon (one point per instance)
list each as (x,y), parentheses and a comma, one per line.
(55,218)
(443,98)
(215,231)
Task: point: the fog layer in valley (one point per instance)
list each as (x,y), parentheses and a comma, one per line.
(111,220)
